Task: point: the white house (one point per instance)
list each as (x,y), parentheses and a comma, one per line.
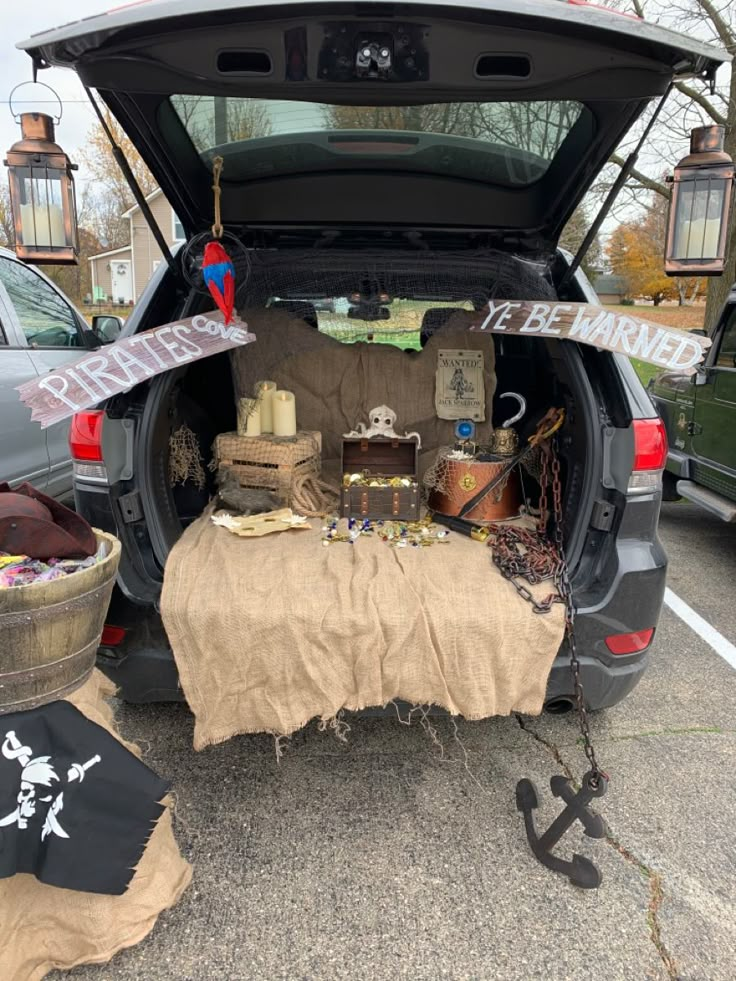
(120,275)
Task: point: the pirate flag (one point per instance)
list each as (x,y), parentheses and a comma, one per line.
(76,807)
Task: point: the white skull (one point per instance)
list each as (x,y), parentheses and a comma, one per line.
(26,803)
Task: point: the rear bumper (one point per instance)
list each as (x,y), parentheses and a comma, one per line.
(144,669)
(149,674)
(604,685)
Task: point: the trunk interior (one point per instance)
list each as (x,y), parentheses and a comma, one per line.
(305,298)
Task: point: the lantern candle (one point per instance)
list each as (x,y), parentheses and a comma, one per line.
(42,226)
(284,414)
(41,187)
(264,392)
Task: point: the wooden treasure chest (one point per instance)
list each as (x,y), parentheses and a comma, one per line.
(380,478)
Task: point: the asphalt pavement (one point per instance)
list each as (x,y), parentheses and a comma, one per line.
(392,856)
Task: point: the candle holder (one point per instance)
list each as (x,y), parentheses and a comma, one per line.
(698,222)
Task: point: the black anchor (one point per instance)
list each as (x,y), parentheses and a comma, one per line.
(580,871)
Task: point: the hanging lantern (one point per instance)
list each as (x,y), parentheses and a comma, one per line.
(42,195)
(702,188)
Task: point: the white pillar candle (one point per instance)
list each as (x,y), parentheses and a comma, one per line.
(264,392)
(49,225)
(284,414)
(253,421)
(249,417)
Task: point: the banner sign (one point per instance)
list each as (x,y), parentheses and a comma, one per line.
(118,367)
(459,388)
(665,347)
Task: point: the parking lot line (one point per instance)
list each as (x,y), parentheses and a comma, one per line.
(701,627)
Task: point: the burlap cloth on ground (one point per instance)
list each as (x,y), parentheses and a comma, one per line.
(269,633)
(43,928)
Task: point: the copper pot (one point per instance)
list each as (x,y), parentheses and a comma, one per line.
(464,478)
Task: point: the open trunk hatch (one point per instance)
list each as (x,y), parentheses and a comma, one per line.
(489,117)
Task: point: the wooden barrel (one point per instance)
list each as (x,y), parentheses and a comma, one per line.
(50,632)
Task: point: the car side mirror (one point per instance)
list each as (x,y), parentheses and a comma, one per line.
(702,376)
(106,328)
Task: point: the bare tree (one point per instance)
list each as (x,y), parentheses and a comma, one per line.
(108,194)
(7,229)
(210,121)
(572,236)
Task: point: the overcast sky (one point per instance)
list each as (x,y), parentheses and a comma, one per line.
(20,19)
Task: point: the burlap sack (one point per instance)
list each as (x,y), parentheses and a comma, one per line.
(336,384)
(270,632)
(42,927)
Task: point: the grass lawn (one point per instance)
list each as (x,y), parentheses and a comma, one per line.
(104,308)
(685,318)
(645,371)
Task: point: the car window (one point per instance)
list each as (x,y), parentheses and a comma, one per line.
(727,350)
(511,143)
(406,324)
(45,318)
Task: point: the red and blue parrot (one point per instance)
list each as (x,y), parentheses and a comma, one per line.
(219,275)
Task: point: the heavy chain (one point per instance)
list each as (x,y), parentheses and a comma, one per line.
(530,555)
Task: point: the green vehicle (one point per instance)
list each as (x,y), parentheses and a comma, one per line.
(699,413)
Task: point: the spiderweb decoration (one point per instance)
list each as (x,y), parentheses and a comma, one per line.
(185,459)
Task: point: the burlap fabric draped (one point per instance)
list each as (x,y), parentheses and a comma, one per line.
(44,928)
(269,633)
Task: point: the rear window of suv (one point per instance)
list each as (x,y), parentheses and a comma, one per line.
(499,142)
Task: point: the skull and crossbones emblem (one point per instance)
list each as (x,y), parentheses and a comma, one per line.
(38,774)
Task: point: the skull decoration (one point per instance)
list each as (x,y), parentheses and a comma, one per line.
(37,772)
(381,423)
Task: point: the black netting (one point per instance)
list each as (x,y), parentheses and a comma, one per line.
(398,297)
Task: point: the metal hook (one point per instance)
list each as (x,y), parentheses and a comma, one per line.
(522,408)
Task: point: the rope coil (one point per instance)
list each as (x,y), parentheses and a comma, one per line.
(217,165)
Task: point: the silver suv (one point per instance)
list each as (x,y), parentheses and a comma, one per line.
(39,330)
(427,152)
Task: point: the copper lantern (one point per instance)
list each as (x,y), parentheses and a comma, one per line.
(697,226)
(42,195)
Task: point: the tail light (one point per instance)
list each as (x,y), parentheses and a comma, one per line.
(650,455)
(112,636)
(85,444)
(631,643)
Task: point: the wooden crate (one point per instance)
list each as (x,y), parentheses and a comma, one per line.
(270,462)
